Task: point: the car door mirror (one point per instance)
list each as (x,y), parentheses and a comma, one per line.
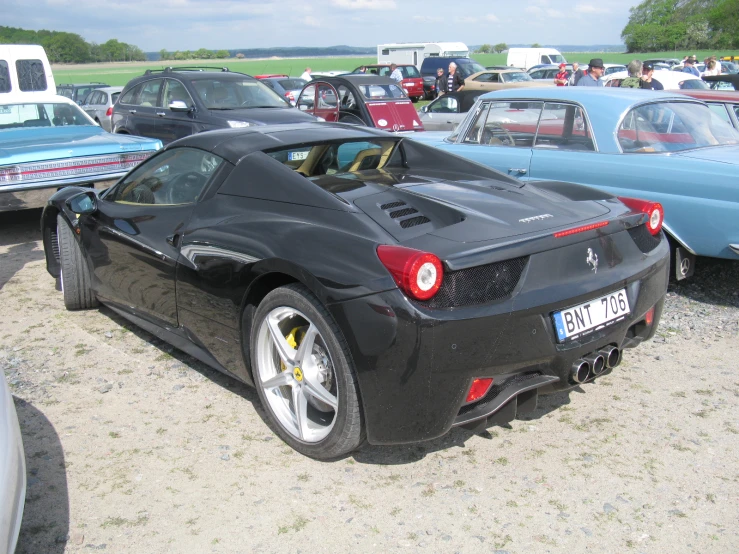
(425,108)
(83,203)
(178,106)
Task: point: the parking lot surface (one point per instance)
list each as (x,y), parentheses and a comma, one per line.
(133,446)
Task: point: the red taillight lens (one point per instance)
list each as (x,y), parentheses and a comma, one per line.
(418,274)
(654,210)
(581,229)
(649,316)
(479,388)
(109,112)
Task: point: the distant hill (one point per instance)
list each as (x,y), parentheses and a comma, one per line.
(568,47)
(293,52)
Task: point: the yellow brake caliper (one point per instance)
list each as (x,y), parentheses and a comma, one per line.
(293,339)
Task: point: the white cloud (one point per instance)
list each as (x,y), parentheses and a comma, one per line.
(534,10)
(427,18)
(555,14)
(311,21)
(378,5)
(491,18)
(589,8)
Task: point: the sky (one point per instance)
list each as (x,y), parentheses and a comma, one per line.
(232,24)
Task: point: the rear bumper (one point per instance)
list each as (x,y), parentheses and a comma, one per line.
(415,364)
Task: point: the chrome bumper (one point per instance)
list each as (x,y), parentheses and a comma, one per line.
(734,248)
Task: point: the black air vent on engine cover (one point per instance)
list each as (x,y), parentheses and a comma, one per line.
(392,205)
(401,216)
(405,211)
(413,221)
(645,240)
(478,285)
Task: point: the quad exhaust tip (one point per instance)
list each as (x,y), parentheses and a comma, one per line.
(580,371)
(612,356)
(597,362)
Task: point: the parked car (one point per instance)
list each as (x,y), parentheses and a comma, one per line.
(670,62)
(288,87)
(360,280)
(99,105)
(12,471)
(502,79)
(641,143)
(724,81)
(448,111)
(360,99)
(671,80)
(465,66)
(48,142)
(412,82)
(77,92)
(547,72)
(177,102)
(724,104)
(429,88)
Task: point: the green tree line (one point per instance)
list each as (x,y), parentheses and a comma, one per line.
(661,25)
(64,47)
(202,54)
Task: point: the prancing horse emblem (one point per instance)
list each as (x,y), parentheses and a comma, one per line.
(592,260)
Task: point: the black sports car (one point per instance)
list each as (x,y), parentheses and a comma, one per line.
(367,285)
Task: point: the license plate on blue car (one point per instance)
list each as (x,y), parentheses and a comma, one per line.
(591,316)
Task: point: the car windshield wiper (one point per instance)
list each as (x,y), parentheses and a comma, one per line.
(235,108)
(266,106)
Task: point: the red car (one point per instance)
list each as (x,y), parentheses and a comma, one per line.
(724,103)
(269,76)
(412,81)
(361,99)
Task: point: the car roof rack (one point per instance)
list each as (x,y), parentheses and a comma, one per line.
(171,69)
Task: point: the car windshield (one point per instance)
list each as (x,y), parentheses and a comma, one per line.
(468,68)
(381,92)
(41,115)
(231,94)
(672,127)
(557,59)
(292,84)
(517,77)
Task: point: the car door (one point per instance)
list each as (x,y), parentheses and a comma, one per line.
(143,119)
(501,135)
(89,104)
(133,239)
(443,114)
(175,124)
(321,100)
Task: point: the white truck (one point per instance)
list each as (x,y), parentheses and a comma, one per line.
(415,52)
(526,58)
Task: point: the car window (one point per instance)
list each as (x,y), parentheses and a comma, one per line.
(114,97)
(63,91)
(292,84)
(5,77)
(231,94)
(31,75)
(129,97)
(720,110)
(564,127)
(346,97)
(468,68)
(538,74)
(736,110)
(694,84)
(149,96)
(516,77)
(505,124)
(488,78)
(381,92)
(334,159)
(176,91)
(410,72)
(176,176)
(42,115)
(615,69)
(673,126)
(445,104)
(307,98)
(99,98)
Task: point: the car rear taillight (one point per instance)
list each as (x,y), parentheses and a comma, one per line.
(109,113)
(478,389)
(653,209)
(289,96)
(418,274)
(581,229)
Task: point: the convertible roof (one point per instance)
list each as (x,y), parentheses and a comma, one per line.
(234,144)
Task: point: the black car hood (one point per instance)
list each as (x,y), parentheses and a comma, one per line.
(265,116)
(476,210)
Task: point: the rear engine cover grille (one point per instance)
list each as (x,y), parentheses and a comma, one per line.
(496,389)
(644,240)
(413,221)
(478,285)
(403,212)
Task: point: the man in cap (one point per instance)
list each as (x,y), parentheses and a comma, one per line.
(690,66)
(647,81)
(561,79)
(593,77)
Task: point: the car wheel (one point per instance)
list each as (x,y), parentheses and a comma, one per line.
(304,376)
(415,99)
(75,277)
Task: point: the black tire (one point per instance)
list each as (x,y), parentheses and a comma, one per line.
(347,433)
(75,275)
(415,99)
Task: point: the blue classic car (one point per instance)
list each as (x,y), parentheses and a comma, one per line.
(636,143)
(47,142)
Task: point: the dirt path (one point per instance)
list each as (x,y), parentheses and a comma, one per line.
(132,446)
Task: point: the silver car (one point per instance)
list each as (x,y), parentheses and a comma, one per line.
(99,105)
(12,471)
(448,110)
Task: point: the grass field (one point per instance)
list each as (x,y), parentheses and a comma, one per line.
(120,73)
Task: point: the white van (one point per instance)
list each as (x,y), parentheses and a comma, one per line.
(527,58)
(415,52)
(25,69)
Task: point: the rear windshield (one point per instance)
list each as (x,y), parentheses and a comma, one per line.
(381,92)
(41,115)
(292,84)
(410,72)
(468,68)
(114,97)
(516,77)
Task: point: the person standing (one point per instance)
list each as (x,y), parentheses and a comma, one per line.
(576,74)
(634,80)
(454,80)
(711,68)
(647,81)
(395,73)
(440,83)
(306,74)
(690,66)
(593,77)
(561,79)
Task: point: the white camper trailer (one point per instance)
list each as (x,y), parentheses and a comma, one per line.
(415,52)
(24,68)
(527,58)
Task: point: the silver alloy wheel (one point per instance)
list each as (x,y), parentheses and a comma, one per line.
(299,383)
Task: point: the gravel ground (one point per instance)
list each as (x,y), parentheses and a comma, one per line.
(132,446)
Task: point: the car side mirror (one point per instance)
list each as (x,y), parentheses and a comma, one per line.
(425,108)
(178,106)
(83,203)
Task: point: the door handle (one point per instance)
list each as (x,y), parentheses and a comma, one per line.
(173,240)
(131,111)
(161,114)
(520,171)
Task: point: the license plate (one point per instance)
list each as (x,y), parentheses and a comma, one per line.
(297,156)
(591,316)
